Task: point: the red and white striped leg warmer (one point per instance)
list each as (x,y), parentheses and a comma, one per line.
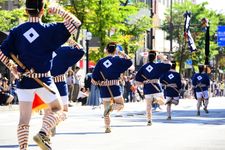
(49,121)
(107,121)
(22,135)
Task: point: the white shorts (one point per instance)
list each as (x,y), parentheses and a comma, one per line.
(203,94)
(109,98)
(170,98)
(173,100)
(65,100)
(155,96)
(27,95)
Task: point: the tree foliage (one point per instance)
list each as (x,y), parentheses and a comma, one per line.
(109,20)
(10,19)
(198,11)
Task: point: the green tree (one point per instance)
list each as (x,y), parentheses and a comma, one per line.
(101,17)
(10,19)
(198,11)
(133,30)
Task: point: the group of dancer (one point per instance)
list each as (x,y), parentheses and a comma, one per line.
(33,44)
(159,80)
(39,47)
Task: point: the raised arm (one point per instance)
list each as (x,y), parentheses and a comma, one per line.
(71,22)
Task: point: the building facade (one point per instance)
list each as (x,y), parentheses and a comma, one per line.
(9,4)
(155,37)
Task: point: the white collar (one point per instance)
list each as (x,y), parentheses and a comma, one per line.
(34,19)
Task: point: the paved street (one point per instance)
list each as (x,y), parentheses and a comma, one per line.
(84,129)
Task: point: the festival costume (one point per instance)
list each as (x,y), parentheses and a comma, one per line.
(33,43)
(149,75)
(201,82)
(66,57)
(171,82)
(106,74)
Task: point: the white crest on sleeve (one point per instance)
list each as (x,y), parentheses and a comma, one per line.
(107,63)
(31,35)
(170,76)
(149,68)
(199,78)
(54,54)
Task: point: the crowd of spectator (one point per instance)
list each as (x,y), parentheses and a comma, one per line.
(84,92)
(133,93)
(7,92)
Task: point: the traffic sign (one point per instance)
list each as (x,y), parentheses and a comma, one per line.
(221,36)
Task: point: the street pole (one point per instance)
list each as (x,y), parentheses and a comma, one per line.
(87,56)
(88,38)
(171,27)
(207,45)
(150,32)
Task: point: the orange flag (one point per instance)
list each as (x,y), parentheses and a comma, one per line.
(38,104)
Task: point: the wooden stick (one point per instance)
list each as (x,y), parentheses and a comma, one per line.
(27,70)
(110,92)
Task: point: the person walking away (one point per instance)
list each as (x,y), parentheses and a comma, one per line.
(149,75)
(33,43)
(171,81)
(201,83)
(65,57)
(106,74)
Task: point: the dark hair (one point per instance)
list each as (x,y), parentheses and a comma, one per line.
(151,56)
(111,47)
(34,7)
(77,67)
(173,65)
(201,68)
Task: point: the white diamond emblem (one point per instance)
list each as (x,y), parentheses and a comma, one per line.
(54,54)
(149,68)
(31,35)
(171,76)
(199,78)
(107,63)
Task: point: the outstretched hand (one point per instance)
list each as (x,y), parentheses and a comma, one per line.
(52,10)
(13,69)
(163,58)
(73,43)
(123,54)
